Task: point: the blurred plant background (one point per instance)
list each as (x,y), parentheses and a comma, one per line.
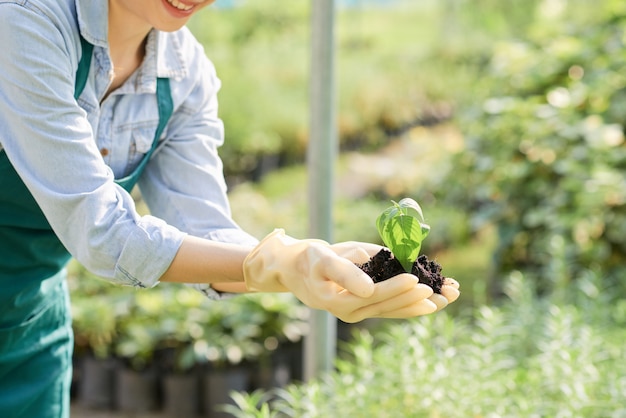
(505,120)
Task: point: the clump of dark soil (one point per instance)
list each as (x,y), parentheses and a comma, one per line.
(383,266)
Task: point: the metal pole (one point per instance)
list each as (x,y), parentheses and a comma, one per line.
(320,344)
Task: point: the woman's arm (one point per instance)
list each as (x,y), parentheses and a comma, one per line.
(184,182)
(202,261)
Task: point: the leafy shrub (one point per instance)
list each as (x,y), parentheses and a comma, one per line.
(528,357)
(97,306)
(248,328)
(545,154)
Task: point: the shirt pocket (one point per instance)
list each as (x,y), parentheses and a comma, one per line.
(141,140)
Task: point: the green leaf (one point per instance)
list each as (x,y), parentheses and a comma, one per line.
(402,229)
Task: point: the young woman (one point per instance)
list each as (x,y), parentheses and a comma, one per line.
(95,97)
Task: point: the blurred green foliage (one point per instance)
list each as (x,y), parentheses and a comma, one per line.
(396,67)
(537,186)
(259,55)
(178,327)
(529,357)
(262,55)
(545,157)
(542,164)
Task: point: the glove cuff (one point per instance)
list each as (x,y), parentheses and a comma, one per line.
(271,262)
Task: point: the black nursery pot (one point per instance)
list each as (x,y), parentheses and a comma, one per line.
(97,382)
(383,266)
(181,395)
(136,391)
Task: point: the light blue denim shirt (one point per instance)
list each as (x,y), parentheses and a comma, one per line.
(69,151)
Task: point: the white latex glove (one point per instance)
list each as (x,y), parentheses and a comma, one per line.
(361,252)
(322,279)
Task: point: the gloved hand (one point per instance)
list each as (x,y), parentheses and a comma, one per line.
(449,293)
(322,279)
(361,252)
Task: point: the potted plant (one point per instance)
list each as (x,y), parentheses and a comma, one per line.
(94,326)
(139,333)
(182,324)
(403,229)
(96,307)
(180,382)
(228,344)
(282,321)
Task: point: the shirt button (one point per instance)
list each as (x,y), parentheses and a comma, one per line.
(104,152)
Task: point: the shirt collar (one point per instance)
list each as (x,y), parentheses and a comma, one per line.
(90,22)
(163,57)
(170,61)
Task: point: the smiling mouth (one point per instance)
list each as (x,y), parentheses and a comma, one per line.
(179,5)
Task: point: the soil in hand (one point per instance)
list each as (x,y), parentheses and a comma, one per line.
(383,266)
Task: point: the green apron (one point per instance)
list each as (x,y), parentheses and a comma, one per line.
(36,339)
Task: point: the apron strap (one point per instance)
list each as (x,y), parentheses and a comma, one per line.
(164,103)
(29,249)
(166,107)
(82,73)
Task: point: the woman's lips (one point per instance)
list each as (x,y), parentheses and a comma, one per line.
(179,9)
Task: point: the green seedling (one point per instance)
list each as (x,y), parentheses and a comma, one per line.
(402,230)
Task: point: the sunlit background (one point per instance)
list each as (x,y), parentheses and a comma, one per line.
(504,119)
